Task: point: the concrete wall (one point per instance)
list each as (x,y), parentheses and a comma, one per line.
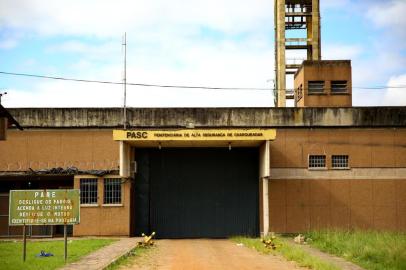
(211,117)
(326,71)
(103,219)
(367,148)
(371,194)
(44,149)
(84,149)
(298,205)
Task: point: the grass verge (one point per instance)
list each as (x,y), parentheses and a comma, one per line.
(127,258)
(289,251)
(371,250)
(11,253)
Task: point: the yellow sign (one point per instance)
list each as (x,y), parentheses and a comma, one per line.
(195,135)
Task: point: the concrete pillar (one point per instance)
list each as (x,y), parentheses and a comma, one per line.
(265,207)
(264,174)
(280,52)
(309,33)
(316,44)
(125,159)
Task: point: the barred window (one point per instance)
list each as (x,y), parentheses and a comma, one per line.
(299,92)
(112,191)
(338,87)
(317,161)
(339,161)
(88,191)
(316,87)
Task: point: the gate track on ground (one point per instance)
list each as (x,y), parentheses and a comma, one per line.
(196,254)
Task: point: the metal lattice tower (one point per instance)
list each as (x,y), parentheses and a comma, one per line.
(294,15)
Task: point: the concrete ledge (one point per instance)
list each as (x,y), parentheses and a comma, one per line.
(211,117)
(355,173)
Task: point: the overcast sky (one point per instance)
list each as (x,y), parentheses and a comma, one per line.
(222,43)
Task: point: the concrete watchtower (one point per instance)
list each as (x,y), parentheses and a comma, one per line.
(294,15)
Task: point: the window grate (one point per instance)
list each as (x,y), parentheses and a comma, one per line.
(112,191)
(88,191)
(299,92)
(317,161)
(339,161)
(315,87)
(339,86)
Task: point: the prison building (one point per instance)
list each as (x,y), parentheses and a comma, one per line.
(212,172)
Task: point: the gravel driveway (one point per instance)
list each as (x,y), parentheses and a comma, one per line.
(206,254)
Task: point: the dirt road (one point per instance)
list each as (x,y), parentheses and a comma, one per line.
(206,254)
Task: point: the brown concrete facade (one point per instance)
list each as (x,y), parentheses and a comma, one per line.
(370,194)
(105,219)
(298,205)
(44,149)
(328,72)
(366,148)
(83,149)
(367,194)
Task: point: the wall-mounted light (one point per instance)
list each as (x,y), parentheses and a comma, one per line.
(2,94)
(229,146)
(190,125)
(134,166)
(159,146)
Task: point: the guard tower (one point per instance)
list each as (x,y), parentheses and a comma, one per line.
(297,27)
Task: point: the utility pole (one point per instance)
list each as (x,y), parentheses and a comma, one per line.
(125,82)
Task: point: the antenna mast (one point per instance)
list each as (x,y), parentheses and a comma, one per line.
(125,82)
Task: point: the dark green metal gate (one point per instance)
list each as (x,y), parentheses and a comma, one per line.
(196,192)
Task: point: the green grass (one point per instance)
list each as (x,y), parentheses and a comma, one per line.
(11,253)
(289,251)
(127,259)
(370,249)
